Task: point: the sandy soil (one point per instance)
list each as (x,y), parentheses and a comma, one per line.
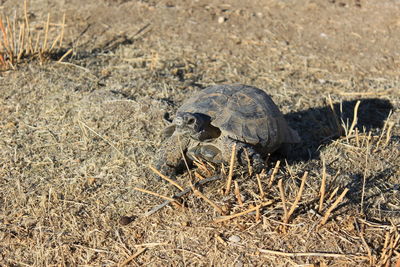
(76,137)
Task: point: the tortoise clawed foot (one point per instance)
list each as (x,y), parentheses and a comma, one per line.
(258,166)
(165,170)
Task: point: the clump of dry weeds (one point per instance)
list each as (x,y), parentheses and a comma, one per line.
(20,42)
(287,214)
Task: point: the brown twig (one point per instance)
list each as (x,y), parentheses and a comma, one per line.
(370,93)
(391,243)
(231,166)
(198,176)
(337,122)
(2,61)
(385,246)
(220,240)
(29,49)
(355,118)
(357,137)
(367,151)
(65,55)
(230,217)
(323,185)
(53,44)
(165,178)
(199,164)
(131,258)
(248,162)
(377,225)
(4,32)
(62,31)
(237,194)
(258,214)
(46,34)
(333,194)
(36,47)
(21,41)
(310,254)
(223,170)
(368,249)
(180,194)
(11,40)
(258,176)
(206,199)
(154,194)
(367,138)
(282,194)
(274,172)
(385,125)
(154,244)
(388,134)
(333,206)
(298,197)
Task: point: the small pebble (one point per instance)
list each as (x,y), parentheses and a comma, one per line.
(234,239)
(221,19)
(125,220)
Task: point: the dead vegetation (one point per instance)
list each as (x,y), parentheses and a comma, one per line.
(268,198)
(76,139)
(22,42)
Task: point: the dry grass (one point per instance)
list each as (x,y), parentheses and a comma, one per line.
(20,43)
(231,169)
(76,139)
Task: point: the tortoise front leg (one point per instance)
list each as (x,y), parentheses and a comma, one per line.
(208,152)
(221,151)
(256,159)
(169,156)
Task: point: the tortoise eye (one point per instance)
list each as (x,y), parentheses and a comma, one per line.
(190,121)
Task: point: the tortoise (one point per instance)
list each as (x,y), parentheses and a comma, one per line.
(208,124)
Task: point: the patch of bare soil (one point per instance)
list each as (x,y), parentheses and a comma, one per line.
(76,137)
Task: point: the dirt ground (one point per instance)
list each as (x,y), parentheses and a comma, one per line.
(76,137)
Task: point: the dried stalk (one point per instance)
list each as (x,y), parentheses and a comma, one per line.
(230,217)
(323,185)
(154,194)
(262,194)
(364,179)
(298,197)
(46,33)
(166,178)
(180,194)
(334,205)
(282,194)
(355,118)
(206,199)
(274,172)
(131,258)
(230,174)
(249,166)
(237,194)
(311,254)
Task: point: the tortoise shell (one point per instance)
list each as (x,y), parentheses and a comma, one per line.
(243,113)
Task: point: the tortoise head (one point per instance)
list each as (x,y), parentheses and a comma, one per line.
(191,123)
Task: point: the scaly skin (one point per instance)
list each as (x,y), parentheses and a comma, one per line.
(225,144)
(220,150)
(169,156)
